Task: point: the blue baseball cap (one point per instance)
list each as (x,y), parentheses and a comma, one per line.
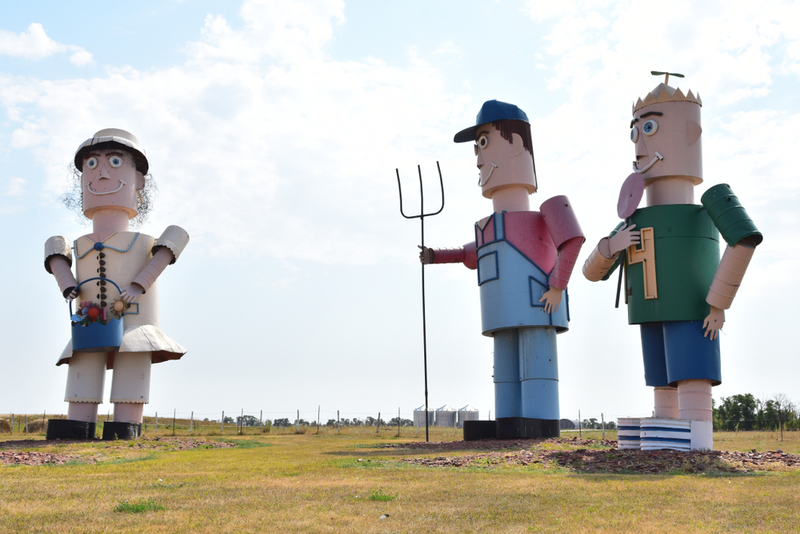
(492,110)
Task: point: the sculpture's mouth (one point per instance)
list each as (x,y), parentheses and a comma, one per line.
(92,191)
(658,157)
(481,183)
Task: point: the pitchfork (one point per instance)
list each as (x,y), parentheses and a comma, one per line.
(421,218)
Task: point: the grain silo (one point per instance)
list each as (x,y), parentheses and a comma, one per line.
(446,416)
(419,417)
(467,413)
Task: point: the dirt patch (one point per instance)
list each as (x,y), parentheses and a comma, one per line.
(40,458)
(603,458)
(11,452)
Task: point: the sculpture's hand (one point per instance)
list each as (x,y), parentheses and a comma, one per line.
(713,323)
(72,295)
(552,298)
(426,255)
(131,293)
(624,238)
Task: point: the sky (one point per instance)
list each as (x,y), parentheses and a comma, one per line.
(273,130)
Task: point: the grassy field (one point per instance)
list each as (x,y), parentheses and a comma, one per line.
(329,482)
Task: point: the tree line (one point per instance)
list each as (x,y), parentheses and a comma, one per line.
(745,412)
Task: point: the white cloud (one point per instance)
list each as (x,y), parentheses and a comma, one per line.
(80,57)
(36,45)
(284,31)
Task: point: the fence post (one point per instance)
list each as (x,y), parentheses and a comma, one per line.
(26,424)
(260,418)
(174,417)
(398,421)
(156,423)
(338,423)
(241,422)
(44,419)
(297,422)
(580,435)
(191,423)
(222,423)
(603,423)
(378,423)
(319,407)
(12,424)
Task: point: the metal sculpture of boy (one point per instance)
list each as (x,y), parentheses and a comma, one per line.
(676,286)
(524,260)
(111,259)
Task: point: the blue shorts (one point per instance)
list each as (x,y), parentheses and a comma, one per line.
(677,350)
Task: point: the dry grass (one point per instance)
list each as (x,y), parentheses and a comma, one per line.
(287,482)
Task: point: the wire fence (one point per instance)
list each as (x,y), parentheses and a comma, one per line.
(243,421)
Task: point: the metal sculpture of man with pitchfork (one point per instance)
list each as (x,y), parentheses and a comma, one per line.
(524,260)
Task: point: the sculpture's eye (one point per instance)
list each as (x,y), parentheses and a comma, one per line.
(635,134)
(483,141)
(91,163)
(650,127)
(115,161)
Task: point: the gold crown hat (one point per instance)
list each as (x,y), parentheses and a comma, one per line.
(109,137)
(665,93)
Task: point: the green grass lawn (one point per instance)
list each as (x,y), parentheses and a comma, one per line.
(329,482)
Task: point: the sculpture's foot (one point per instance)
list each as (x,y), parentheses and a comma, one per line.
(629,433)
(69,429)
(675,434)
(119,430)
(525,427)
(475,430)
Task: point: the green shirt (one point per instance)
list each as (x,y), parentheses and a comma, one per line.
(683,243)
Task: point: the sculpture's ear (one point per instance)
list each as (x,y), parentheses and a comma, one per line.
(139,181)
(516,142)
(693,131)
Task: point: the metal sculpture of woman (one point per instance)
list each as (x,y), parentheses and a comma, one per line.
(115,279)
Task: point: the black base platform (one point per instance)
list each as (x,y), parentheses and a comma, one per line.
(68,429)
(512,427)
(475,430)
(118,430)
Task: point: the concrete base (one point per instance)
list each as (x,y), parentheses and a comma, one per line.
(69,429)
(113,430)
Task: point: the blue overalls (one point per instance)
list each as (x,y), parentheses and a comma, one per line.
(525,355)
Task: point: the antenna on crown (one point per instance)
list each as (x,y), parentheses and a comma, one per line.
(666,82)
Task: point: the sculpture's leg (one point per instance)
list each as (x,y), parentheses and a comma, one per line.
(693,363)
(85,381)
(655,369)
(507,393)
(130,391)
(666,402)
(538,373)
(694,403)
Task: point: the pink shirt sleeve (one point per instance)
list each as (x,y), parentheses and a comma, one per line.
(466,255)
(567,256)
